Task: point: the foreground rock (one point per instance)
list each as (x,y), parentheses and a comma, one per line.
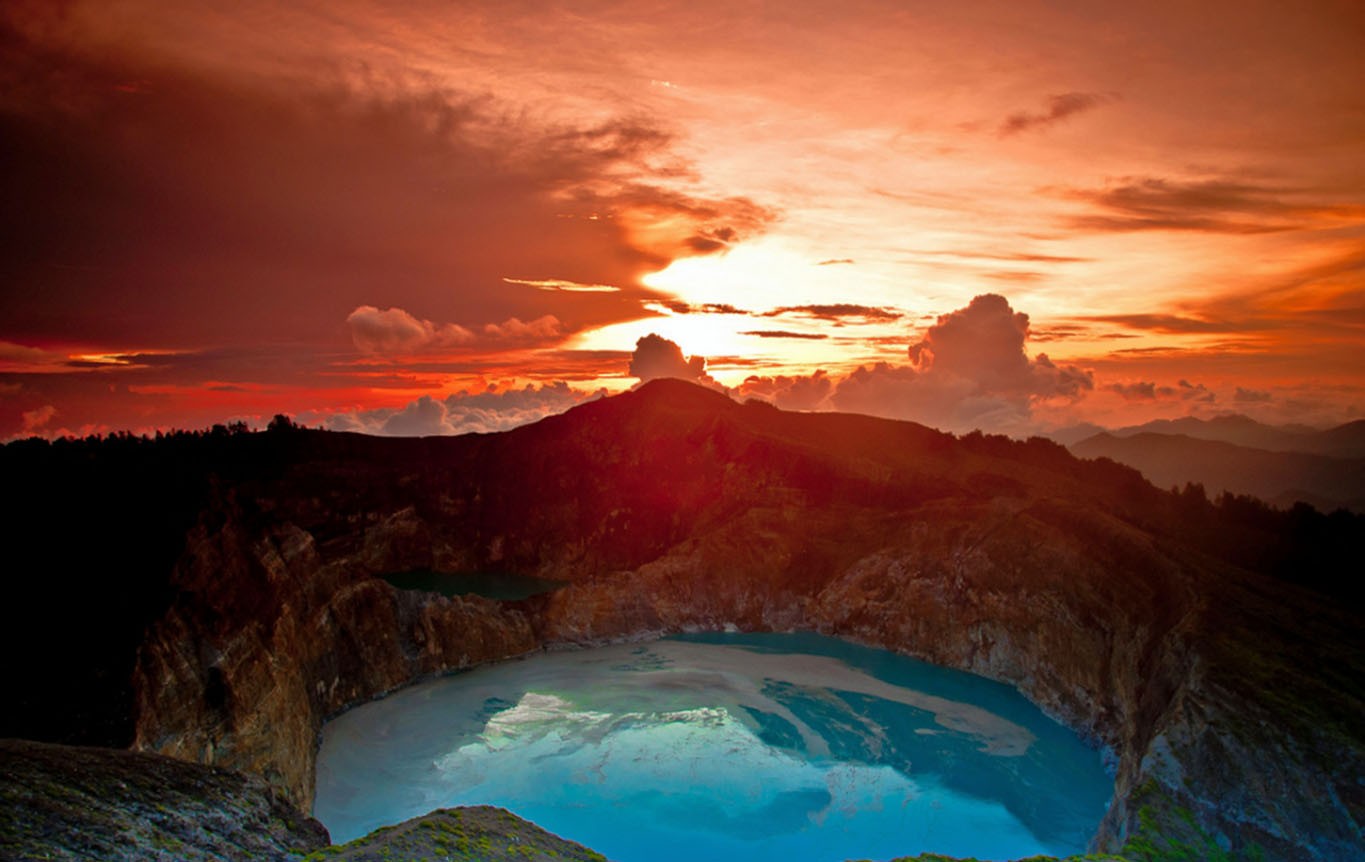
(64,803)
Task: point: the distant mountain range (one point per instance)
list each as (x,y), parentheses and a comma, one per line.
(1281,464)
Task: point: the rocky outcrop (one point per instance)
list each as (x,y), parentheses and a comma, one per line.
(73,804)
(478,833)
(1226,699)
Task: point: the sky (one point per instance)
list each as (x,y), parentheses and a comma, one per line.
(437,217)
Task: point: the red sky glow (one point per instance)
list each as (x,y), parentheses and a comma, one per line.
(436,217)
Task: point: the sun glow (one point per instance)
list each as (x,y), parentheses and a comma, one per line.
(764,274)
(708,335)
(749,309)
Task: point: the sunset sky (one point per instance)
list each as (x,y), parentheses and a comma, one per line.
(435,216)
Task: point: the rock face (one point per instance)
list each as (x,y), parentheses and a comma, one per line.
(267,640)
(63,803)
(1228,700)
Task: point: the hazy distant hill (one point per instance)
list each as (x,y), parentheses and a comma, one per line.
(1279,477)
(1343,441)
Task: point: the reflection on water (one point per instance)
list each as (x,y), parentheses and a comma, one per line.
(724,747)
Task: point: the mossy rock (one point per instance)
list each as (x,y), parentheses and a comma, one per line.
(476,834)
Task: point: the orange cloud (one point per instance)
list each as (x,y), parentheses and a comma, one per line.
(395,331)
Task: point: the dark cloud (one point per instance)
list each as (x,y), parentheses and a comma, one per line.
(1151,391)
(783,333)
(156,201)
(1142,391)
(713,240)
(1251,396)
(1169,323)
(656,356)
(678,306)
(721,308)
(1019,256)
(674,224)
(1188,391)
(837,312)
(970,370)
(1060,332)
(1058,108)
(1208,205)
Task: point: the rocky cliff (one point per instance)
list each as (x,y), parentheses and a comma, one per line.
(1228,700)
(266,640)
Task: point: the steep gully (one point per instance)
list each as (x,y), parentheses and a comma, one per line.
(1217,693)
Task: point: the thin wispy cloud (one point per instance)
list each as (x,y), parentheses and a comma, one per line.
(1057,109)
(836,312)
(784,333)
(1207,205)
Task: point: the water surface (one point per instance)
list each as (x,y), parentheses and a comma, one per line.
(724,747)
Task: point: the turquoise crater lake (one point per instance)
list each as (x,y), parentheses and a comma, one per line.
(724,747)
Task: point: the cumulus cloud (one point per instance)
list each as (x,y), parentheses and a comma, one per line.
(969,371)
(422,418)
(790,393)
(542,328)
(36,419)
(656,356)
(394,330)
(485,412)
(984,343)
(1058,108)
